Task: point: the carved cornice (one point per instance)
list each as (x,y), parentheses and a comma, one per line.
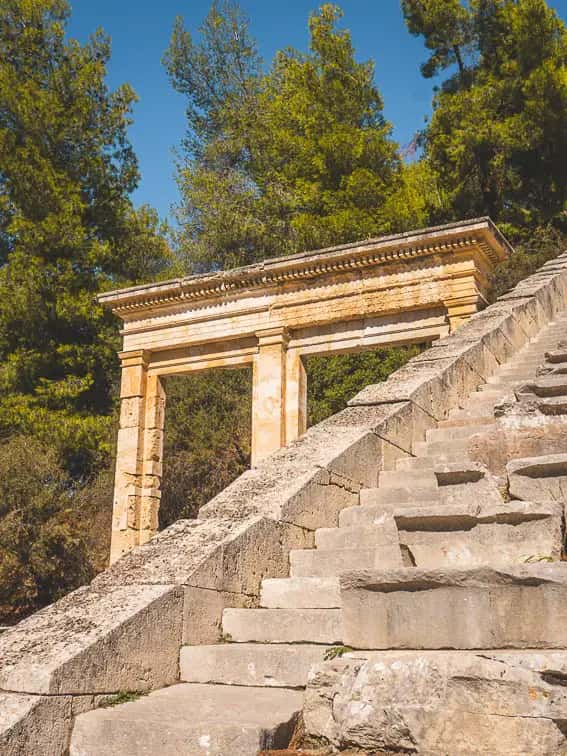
(478,233)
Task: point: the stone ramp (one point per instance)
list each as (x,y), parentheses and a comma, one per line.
(190,720)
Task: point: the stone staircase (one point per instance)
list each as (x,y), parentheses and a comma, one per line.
(439,510)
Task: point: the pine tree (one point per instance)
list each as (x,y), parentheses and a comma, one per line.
(298,158)
(498,134)
(67,229)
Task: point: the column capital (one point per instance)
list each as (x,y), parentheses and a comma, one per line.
(134,358)
(277,336)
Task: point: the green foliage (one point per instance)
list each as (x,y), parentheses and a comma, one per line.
(335,652)
(207,439)
(297,158)
(208,421)
(68,229)
(332,381)
(532,249)
(447,30)
(124,696)
(498,134)
(43,533)
(218,75)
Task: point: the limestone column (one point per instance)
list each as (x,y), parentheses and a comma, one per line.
(137,486)
(269,393)
(295,397)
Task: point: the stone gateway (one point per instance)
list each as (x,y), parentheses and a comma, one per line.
(403,289)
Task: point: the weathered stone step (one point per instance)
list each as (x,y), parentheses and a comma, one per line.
(391,497)
(358,537)
(519,370)
(544,386)
(415,463)
(487,396)
(479,406)
(369,516)
(512,386)
(332,562)
(300,593)
(399,479)
(455,434)
(556,356)
(503,385)
(543,478)
(190,720)
(510,378)
(451,703)
(470,535)
(283,625)
(552,368)
(262,665)
(525,360)
(468,418)
(522,606)
(449,451)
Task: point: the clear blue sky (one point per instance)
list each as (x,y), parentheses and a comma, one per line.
(140,31)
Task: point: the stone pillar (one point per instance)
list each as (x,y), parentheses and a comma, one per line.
(295,397)
(269,393)
(137,486)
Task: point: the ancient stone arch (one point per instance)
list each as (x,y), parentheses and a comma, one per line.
(402,289)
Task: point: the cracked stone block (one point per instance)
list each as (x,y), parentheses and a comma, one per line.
(539,478)
(513,606)
(438,702)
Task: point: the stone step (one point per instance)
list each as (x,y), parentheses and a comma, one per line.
(333,562)
(548,386)
(358,537)
(475,534)
(486,398)
(512,385)
(186,719)
(483,406)
(414,463)
(442,703)
(522,606)
(451,474)
(556,356)
(367,516)
(399,479)
(552,368)
(525,359)
(258,664)
(472,412)
(391,497)
(469,419)
(550,337)
(455,434)
(300,593)
(283,625)
(509,379)
(521,368)
(502,385)
(449,451)
(515,371)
